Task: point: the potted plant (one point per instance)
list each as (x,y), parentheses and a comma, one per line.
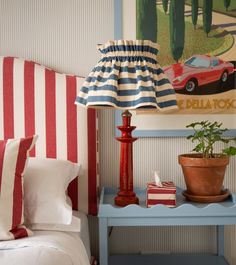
(204,171)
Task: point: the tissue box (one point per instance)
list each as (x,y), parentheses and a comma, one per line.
(165,195)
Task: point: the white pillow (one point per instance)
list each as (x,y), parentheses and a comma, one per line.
(74,226)
(45,184)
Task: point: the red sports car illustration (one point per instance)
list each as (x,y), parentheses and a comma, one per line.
(197,71)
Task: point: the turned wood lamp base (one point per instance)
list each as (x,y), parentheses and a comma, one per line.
(126,194)
(126,200)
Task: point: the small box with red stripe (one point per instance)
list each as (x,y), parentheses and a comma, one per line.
(165,195)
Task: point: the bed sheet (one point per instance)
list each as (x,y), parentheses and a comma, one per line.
(49,248)
(84,231)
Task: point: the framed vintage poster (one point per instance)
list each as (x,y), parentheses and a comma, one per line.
(197,53)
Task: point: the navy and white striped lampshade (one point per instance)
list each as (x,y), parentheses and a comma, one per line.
(128,76)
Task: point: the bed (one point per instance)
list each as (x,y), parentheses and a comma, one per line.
(36,100)
(49,247)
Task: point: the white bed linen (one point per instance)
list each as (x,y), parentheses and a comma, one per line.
(84,231)
(44,248)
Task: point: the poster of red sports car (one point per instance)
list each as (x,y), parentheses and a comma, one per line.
(197,41)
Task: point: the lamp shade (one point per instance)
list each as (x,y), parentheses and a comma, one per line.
(128,76)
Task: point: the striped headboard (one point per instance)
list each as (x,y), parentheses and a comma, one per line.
(37,100)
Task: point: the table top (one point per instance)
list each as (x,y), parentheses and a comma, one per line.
(183,207)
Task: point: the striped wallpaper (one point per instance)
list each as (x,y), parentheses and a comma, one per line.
(61,34)
(56,33)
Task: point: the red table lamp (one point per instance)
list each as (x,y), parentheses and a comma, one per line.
(127,77)
(126,194)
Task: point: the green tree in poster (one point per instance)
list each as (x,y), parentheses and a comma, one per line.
(165,5)
(207,15)
(146,20)
(227,4)
(177,28)
(194,12)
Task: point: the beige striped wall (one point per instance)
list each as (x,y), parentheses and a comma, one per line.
(63,34)
(58,33)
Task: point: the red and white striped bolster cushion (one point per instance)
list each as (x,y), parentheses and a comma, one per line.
(13,159)
(38,100)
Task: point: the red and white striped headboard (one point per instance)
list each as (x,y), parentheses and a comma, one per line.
(38,100)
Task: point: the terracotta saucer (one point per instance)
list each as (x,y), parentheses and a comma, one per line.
(217,198)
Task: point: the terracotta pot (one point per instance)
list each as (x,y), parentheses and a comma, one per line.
(203,176)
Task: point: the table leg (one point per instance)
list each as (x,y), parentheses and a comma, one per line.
(220,240)
(103,241)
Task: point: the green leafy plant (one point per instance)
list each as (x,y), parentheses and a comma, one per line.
(206,134)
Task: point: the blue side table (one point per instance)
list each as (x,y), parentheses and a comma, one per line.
(185,213)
